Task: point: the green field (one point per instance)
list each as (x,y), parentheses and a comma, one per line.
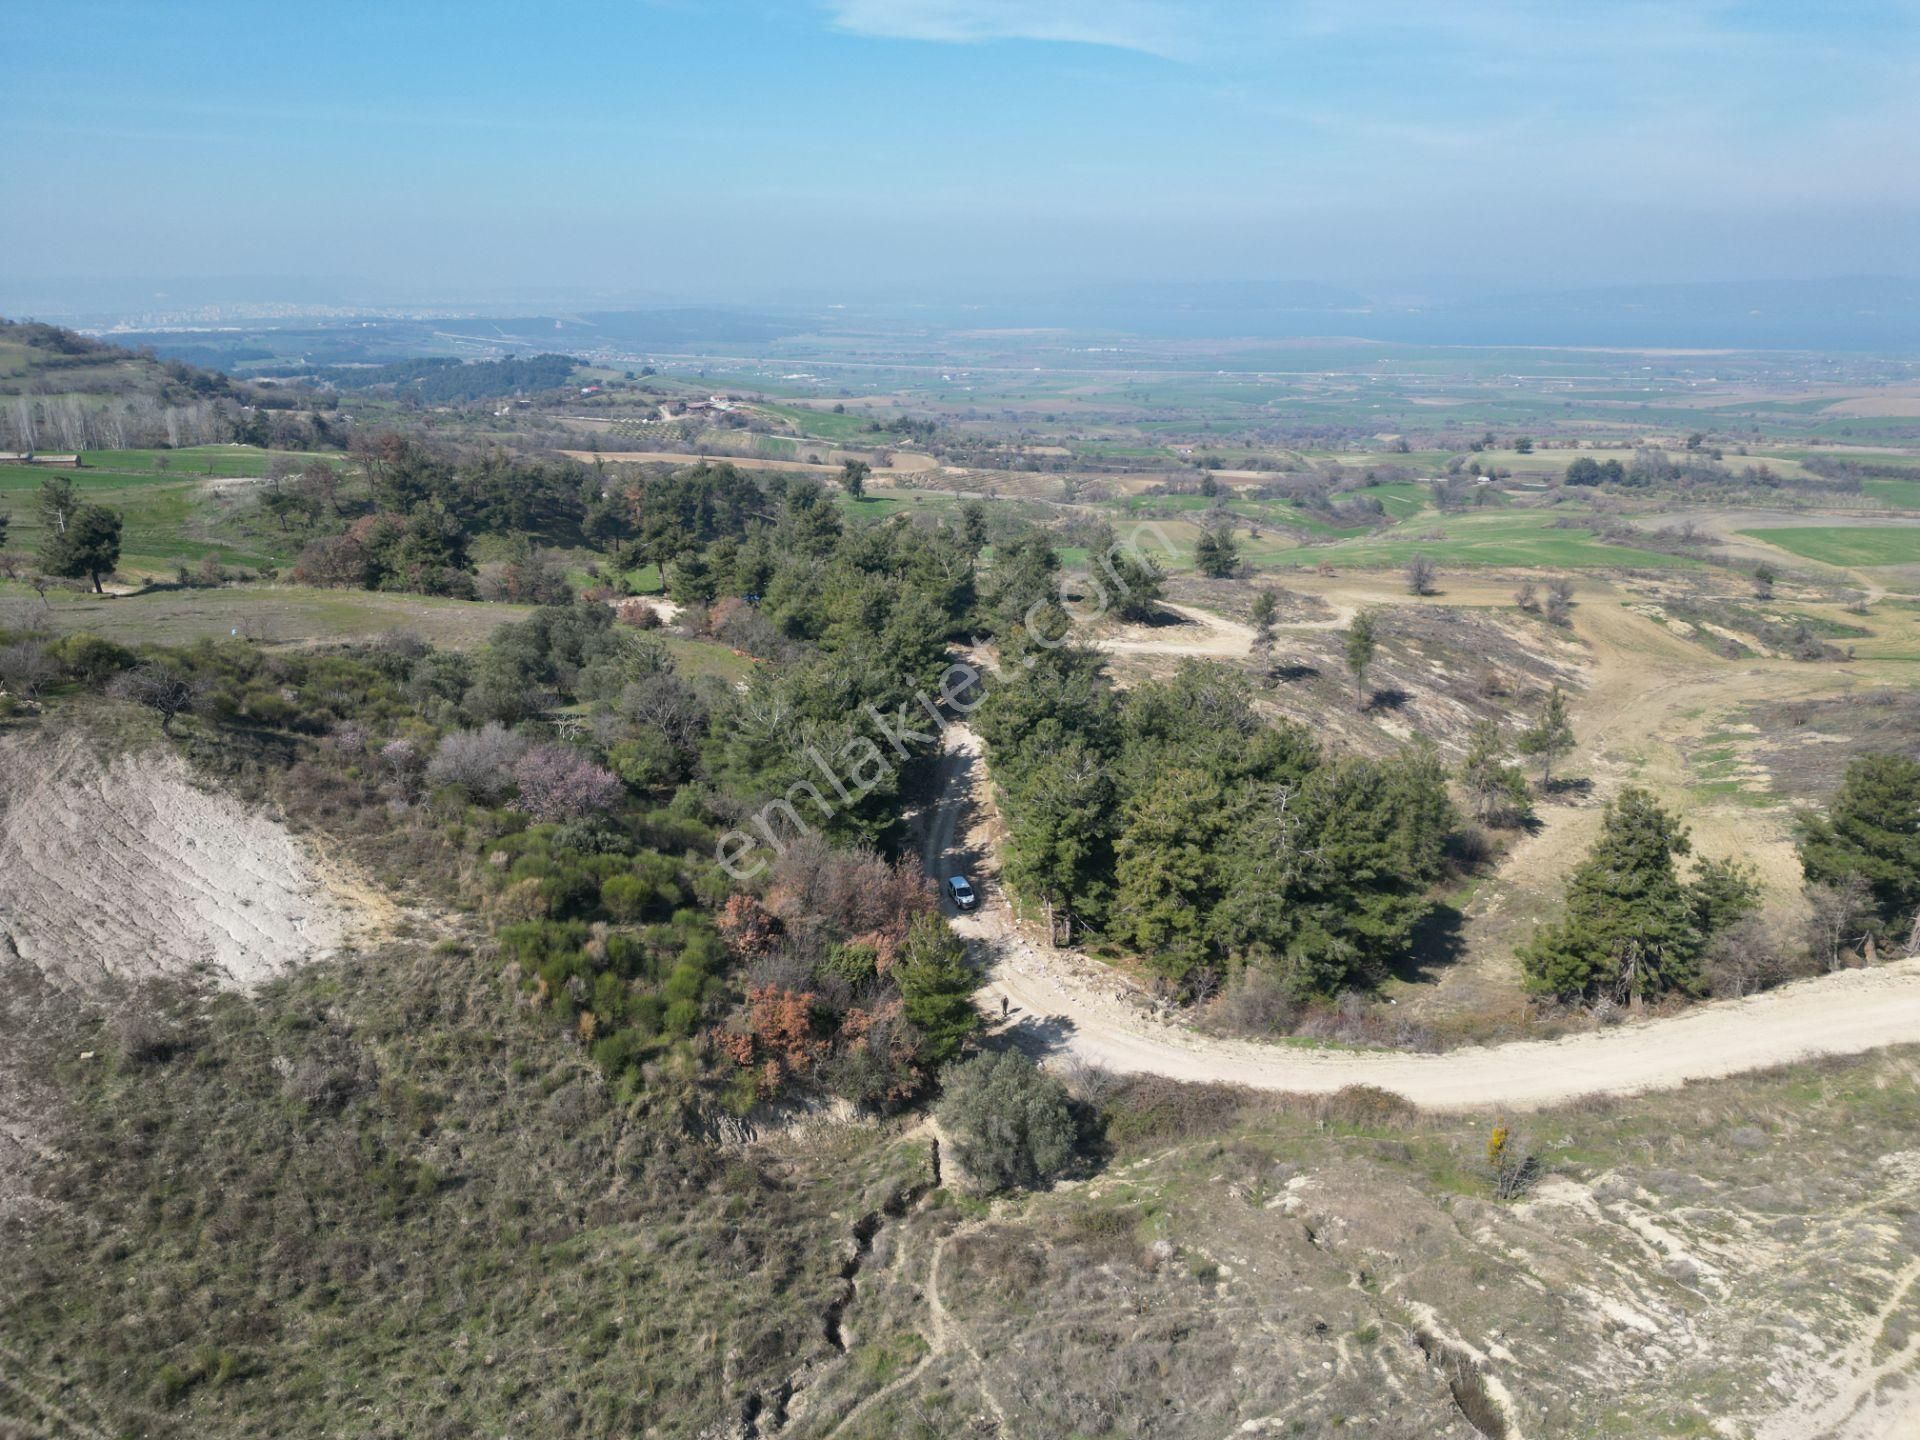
(1499,538)
(170,515)
(824,424)
(1897,494)
(1398,500)
(1847,545)
(1282,513)
(200,460)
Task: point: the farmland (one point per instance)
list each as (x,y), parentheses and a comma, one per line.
(1847,545)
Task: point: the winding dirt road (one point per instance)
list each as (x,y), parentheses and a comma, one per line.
(1063,1005)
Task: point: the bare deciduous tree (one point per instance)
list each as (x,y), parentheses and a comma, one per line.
(1842,915)
(159,687)
(1421,575)
(26,669)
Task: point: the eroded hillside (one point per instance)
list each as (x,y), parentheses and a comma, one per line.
(1735,1261)
(125,869)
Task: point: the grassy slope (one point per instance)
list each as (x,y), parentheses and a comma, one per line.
(387,1201)
(170,515)
(1900,494)
(1846,545)
(289,614)
(1501,538)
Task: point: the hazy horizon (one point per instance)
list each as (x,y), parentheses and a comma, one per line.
(867,150)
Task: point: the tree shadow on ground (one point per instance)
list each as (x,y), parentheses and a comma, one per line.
(1391,698)
(1568,789)
(1036,1036)
(1438,943)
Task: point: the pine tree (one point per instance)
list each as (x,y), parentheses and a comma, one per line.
(1362,642)
(1872,830)
(87,546)
(1168,876)
(1265,608)
(1630,929)
(1216,554)
(936,987)
(1498,790)
(1549,737)
(1723,891)
(1059,841)
(56,504)
(1129,584)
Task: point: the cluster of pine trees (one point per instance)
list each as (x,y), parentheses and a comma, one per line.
(1177,821)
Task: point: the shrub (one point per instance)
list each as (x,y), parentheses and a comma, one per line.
(1422,575)
(1748,956)
(1364,1107)
(26,668)
(161,688)
(336,561)
(557,783)
(624,897)
(1254,1002)
(1840,917)
(479,761)
(90,658)
(145,1036)
(1145,1109)
(1010,1122)
(1513,1169)
(853,962)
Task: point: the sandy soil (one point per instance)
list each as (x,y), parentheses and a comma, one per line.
(1061,1003)
(128,870)
(1196,633)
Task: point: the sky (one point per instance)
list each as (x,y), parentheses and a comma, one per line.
(765,149)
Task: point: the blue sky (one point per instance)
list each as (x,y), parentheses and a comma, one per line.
(744,148)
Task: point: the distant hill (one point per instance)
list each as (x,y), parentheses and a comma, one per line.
(37,359)
(63,391)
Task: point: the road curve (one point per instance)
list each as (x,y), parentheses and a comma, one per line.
(1061,1005)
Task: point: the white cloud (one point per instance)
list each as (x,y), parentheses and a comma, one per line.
(1147,26)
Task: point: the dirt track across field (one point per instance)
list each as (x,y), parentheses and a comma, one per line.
(1062,1004)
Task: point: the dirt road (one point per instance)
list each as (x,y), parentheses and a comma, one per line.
(1063,1005)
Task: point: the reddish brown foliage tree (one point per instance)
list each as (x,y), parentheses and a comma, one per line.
(828,897)
(750,932)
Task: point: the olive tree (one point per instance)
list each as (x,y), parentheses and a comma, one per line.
(1009,1121)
